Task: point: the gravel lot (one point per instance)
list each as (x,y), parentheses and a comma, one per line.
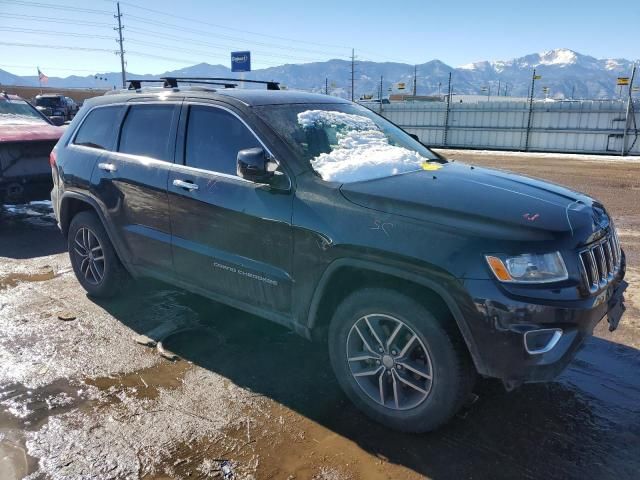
(80,398)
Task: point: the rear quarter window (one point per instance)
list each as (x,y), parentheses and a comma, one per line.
(100,128)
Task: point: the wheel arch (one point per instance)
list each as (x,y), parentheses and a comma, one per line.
(73,203)
(333,287)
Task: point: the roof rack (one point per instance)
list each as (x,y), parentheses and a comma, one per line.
(173,81)
(137,84)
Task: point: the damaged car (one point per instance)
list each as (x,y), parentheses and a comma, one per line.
(419,274)
(26,139)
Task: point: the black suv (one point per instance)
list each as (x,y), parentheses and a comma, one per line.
(57,106)
(318,214)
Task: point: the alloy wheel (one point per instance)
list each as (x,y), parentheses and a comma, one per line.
(389,362)
(90,254)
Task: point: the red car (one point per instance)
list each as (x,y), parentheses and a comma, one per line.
(26,140)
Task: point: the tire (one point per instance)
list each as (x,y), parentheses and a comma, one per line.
(100,273)
(437,351)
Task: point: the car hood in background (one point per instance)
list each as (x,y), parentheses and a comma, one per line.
(462,196)
(29,132)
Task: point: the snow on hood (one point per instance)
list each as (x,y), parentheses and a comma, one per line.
(363,151)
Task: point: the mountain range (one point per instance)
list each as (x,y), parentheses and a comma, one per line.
(566,73)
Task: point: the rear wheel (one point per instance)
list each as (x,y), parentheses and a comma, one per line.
(397,362)
(94,261)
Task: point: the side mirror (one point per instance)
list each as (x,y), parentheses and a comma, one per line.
(252,164)
(414,136)
(57,121)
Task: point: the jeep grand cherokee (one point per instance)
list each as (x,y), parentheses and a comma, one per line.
(318,214)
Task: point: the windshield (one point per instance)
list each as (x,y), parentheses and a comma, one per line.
(346,142)
(18,112)
(48,101)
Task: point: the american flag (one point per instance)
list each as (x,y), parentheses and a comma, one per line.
(42,77)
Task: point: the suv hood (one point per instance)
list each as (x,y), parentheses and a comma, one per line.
(462,196)
(29,131)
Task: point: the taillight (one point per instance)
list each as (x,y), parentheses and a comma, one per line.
(52,158)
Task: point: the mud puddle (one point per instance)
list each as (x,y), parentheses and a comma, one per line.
(43,274)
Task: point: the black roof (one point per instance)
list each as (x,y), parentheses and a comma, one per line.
(249,96)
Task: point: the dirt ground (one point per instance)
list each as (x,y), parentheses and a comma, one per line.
(80,398)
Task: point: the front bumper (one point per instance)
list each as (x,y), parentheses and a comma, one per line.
(499,324)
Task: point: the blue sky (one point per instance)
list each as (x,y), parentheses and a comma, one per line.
(299,31)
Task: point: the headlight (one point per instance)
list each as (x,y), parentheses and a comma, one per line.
(528,267)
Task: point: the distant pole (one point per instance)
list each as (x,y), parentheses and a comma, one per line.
(415,76)
(353,72)
(380,97)
(439,85)
(573,91)
(326,86)
(499,87)
(533,83)
(446,113)
(628,114)
(120,41)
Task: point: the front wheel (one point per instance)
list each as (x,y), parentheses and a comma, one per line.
(397,361)
(94,261)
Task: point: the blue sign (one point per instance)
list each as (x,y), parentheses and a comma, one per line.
(240,61)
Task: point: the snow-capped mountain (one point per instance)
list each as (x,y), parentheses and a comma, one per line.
(565,72)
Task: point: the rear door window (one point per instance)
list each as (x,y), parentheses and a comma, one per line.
(100,128)
(214,137)
(147,131)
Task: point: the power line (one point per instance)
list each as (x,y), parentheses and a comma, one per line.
(53,69)
(209,34)
(57,7)
(36,18)
(194,20)
(56,47)
(68,34)
(225,48)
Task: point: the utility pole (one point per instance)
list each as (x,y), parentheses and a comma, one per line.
(498,87)
(326,86)
(380,97)
(446,113)
(353,72)
(415,79)
(534,77)
(629,112)
(120,41)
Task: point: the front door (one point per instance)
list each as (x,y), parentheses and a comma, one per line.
(231,237)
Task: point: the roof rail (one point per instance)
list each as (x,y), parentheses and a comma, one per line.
(173,81)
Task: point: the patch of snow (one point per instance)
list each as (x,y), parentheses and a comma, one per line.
(611,64)
(310,118)
(363,151)
(559,56)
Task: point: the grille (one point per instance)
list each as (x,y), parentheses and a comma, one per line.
(601,261)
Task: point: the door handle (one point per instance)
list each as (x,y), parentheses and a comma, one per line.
(107,167)
(186,185)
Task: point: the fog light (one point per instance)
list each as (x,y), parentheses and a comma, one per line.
(541,341)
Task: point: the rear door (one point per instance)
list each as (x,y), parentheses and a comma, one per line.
(231,237)
(132,184)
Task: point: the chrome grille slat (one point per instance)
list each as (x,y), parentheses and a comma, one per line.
(601,261)
(608,257)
